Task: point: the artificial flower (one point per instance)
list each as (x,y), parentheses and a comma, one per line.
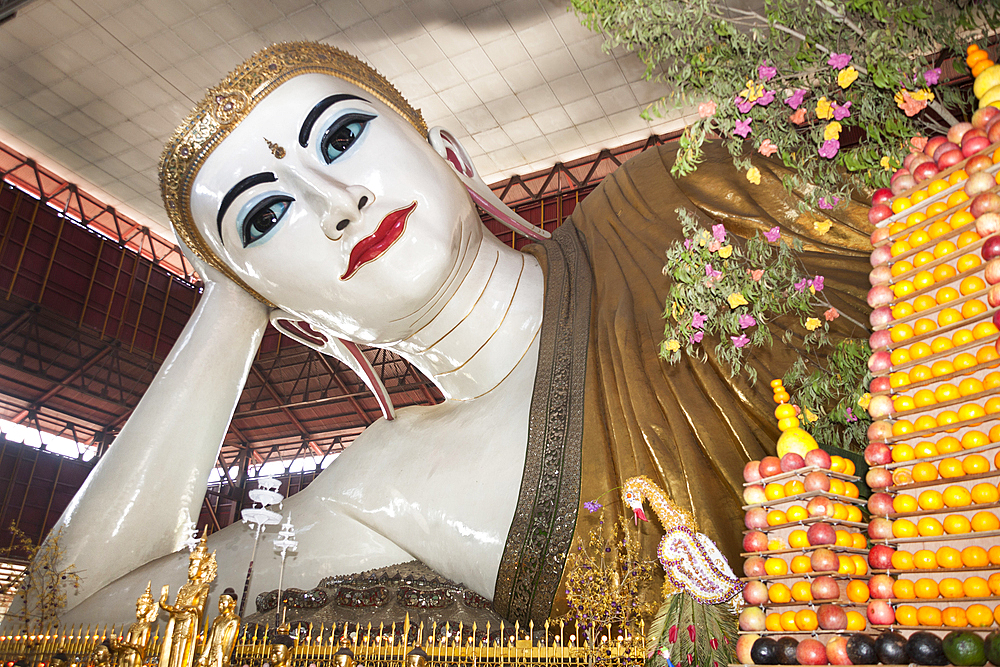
(711,273)
(696,337)
(828,204)
(841,111)
(691,632)
(743,105)
(799,116)
(824,110)
(698,320)
(801,285)
(817,283)
(672,345)
(773,234)
(752,91)
(714,246)
(850,416)
(923,94)
(913,103)
(920,143)
(672,634)
(809,415)
(726,251)
(831,314)
(932,76)
(813,323)
(832,130)
(767,148)
(822,226)
(839,60)
(592,506)
(865,399)
(795,99)
(743,127)
(766,98)
(706,109)
(736,300)
(746,321)
(765,72)
(829,149)
(740,341)
(847,76)
(756,275)
(753,175)
(886,163)
(719,232)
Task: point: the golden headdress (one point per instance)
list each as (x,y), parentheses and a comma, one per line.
(207,565)
(225,105)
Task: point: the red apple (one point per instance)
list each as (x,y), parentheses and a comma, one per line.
(754,494)
(832,617)
(825,587)
(754,567)
(881,274)
(881,255)
(880,317)
(882,196)
(878,478)
(818,458)
(973,145)
(986,202)
(987,224)
(905,182)
(755,592)
(880,504)
(993,132)
(943,148)
(880,295)
(744,644)
(792,461)
(983,116)
(816,481)
(880,361)
(755,518)
(879,528)
(878,454)
(836,650)
(926,171)
(880,613)
(957,131)
(751,472)
(880,384)
(752,619)
(916,159)
(979,183)
(996,318)
(880,586)
(821,533)
(880,340)
(877,214)
(993,296)
(978,163)
(811,652)
(755,541)
(880,557)
(770,466)
(902,171)
(991,248)
(933,143)
(824,560)
(820,506)
(950,159)
(880,406)
(879,431)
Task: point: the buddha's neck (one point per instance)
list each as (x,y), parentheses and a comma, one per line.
(485,328)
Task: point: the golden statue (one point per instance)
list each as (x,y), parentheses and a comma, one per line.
(222,636)
(344,657)
(181,635)
(417,658)
(100,656)
(131,651)
(281,651)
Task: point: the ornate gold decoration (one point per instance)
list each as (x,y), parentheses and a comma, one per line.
(227,104)
(276,150)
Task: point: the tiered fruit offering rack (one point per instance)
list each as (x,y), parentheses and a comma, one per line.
(935,444)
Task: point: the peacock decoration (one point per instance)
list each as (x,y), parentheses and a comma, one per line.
(696,624)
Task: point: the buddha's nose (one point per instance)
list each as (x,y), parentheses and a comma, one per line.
(346,208)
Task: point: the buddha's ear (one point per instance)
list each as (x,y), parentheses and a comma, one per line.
(298,329)
(448,147)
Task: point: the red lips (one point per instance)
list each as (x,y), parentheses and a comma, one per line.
(371,247)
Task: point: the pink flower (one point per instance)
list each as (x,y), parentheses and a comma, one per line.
(740,341)
(743,127)
(696,337)
(839,60)
(831,314)
(799,116)
(698,320)
(932,76)
(829,149)
(706,109)
(766,73)
(719,233)
(773,234)
(795,99)
(756,275)
(841,112)
(817,283)
(746,321)
(711,273)
(802,285)
(767,148)
(766,98)
(714,246)
(743,105)
(828,204)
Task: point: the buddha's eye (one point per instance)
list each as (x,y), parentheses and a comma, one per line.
(342,135)
(263,217)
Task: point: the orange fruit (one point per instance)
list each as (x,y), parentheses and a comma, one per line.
(922,399)
(844,539)
(984,329)
(939,228)
(994,435)
(925,472)
(957,176)
(969,386)
(858,541)
(902,310)
(979,616)
(773,622)
(774,491)
(801,564)
(902,560)
(900,204)
(953,617)
(920,350)
(775,566)
(854,512)
(806,620)
(946,418)
(851,491)
(793,487)
(957,198)
(950,467)
(948,558)
(992,381)
(802,591)
(981,67)
(927,615)
(928,526)
(994,554)
(860,565)
(946,294)
(961,337)
(968,262)
(973,308)
(941,344)
(776,518)
(971,411)
(901,451)
(856,622)
(974,464)
(918,237)
(960,218)
(951,588)
(992,407)
(903,528)
(923,280)
(967,237)
(914,219)
(964,360)
(942,366)
(947,317)
(900,332)
(949,445)
(985,521)
(903,589)
(976,587)
(902,476)
(798,539)
(976,56)
(956,524)
(906,615)
(936,186)
(929,499)
(925,449)
(987,353)
(897,380)
(837,487)
(849,467)
(944,248)
(922,257)
(971,284)
(925,559)
(857,591)
(787,620)
(918,196)
(796,513)
(903,427)
(944,272)
(975,556)
(779,593)
(957,496)
(904,503)
(984,494)
(994,583)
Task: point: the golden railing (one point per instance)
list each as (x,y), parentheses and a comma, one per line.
(374,646)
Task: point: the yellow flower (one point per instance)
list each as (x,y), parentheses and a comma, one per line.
(726,251)
(886,164)
(865,399)
(847,76)
(822,226)
(672,345)
(832,130)
(812,324)
(809,415)
(753,175)
(923,94)
(824,109)
(736,300)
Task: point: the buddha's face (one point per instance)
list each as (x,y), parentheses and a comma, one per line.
(278,655)
(359,227)
(226,604)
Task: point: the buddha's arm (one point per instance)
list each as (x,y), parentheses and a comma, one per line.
(152,480)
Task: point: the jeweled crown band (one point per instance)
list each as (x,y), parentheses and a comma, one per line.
(225,105)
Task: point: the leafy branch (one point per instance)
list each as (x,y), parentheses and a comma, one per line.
(42,587)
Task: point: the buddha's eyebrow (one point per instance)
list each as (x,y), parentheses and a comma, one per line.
(237,190)
(314,114)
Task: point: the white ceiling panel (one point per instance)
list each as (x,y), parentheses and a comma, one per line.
(95,87)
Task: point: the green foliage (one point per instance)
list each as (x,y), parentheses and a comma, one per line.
(729,291)
(41,590)
(711,642)
(713,51)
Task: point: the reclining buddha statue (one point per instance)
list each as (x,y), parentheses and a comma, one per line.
(309,193)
